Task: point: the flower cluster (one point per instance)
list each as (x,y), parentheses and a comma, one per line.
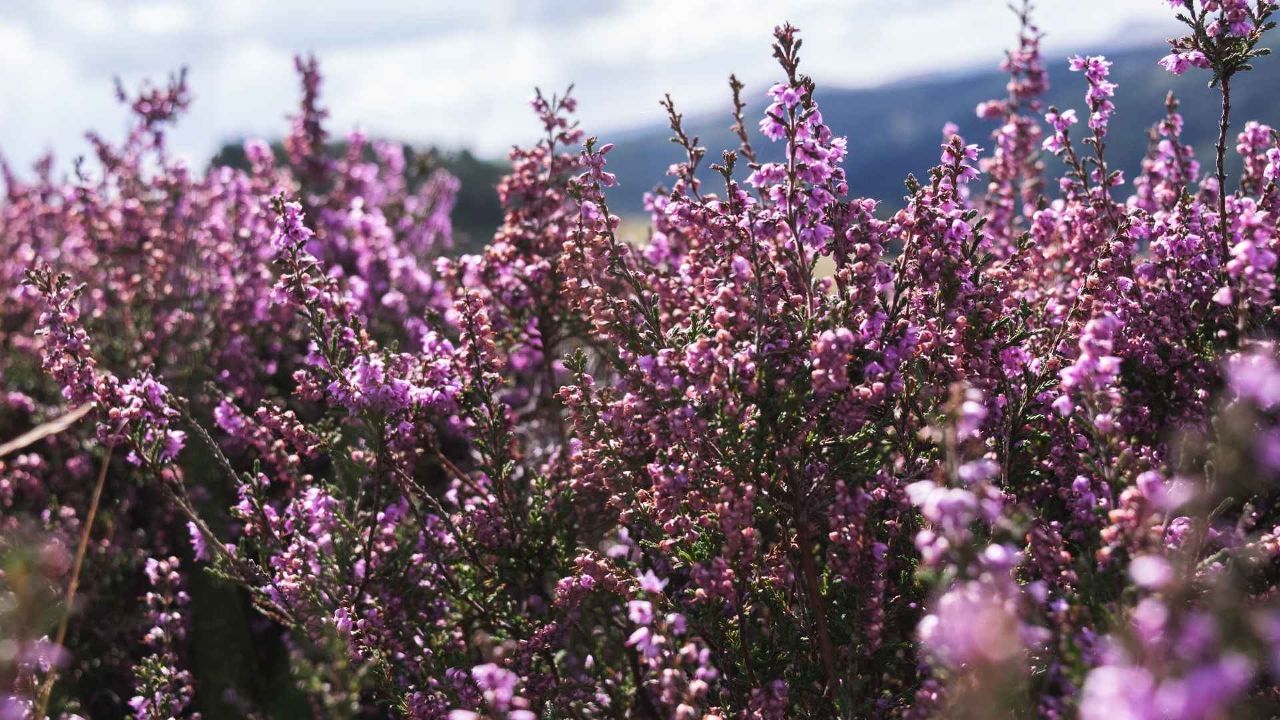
(164,685)
(1004,447)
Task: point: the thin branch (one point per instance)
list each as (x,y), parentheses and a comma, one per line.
(44,430)
(46,690)
(1223,124)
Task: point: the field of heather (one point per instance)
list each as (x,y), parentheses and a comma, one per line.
(336,426)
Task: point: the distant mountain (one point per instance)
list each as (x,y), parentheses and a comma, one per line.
(896,129)
(893,130)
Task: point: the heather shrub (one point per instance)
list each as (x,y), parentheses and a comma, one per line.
(1006,450)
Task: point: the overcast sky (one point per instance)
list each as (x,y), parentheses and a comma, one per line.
(460,72)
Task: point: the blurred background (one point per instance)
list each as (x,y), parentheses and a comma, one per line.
(454,78)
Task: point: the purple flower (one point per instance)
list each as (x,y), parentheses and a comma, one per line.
(650,583)
(1255,377)
(1151,571)
(198,545)
(1118,693)
(496,683)
(648,642)
(640,612)
(973,623)
(1178,62)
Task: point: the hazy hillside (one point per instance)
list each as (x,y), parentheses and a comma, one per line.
(882,153)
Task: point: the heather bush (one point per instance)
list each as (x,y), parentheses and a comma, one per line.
(1007,450)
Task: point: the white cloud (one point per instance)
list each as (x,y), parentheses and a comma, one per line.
(461,73)
(160,18)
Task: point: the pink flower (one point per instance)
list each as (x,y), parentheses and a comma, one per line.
(651,583)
